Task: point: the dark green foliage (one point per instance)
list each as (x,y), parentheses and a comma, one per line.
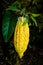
(8,25)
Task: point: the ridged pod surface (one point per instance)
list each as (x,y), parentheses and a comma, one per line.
(21,36)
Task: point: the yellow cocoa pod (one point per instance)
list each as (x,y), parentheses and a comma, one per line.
(21,36)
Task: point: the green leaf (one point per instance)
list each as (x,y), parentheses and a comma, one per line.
(8,25)
(18,4)
(5,25)
(22,11)
(34,20)
(28,13)
(35,15)
(13,8)
(25,20)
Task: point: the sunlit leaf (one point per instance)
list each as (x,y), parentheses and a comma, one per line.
(34,20)
(13,8)
(35,15)
(25,20)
